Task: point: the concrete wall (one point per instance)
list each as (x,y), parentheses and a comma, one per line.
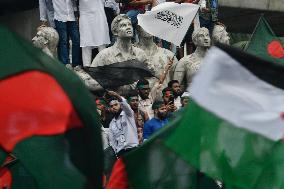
(24,23)
(272,5)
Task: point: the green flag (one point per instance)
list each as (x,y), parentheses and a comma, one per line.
(265,44)
(231,131)
(48,121)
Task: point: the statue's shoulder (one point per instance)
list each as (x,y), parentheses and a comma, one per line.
(165,52)
(140,53)
(103,57)
(186,59)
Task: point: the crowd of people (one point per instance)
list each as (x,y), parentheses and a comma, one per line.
(127,119)
(85,25)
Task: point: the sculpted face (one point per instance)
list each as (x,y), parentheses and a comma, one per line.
(39,40)
(203,39)
(125,28)
(220,35)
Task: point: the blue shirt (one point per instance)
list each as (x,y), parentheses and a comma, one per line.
(152,126)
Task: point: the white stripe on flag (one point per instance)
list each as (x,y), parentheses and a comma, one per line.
(230,91)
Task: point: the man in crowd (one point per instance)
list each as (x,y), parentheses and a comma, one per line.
(185,99)
(140,116)
(67,26)
(174,85)
(122,128)
(160,119)
(168,98)
(46,13)
(146,97)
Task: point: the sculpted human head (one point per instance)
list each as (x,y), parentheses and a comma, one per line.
(121,26)
(201,37)
(220,35)
(46,37)
(142,33)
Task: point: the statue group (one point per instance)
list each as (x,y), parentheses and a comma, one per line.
(144,51)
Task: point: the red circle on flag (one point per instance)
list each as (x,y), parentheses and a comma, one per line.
(275,49)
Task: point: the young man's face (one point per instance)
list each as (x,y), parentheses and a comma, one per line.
(125,28)
(114,107)
(144,92)
(100,106)
(184,102)
(133,102)
(167,97)
(176,89)
(162,112)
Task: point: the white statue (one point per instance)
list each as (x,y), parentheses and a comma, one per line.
(220,35)
(189,65)
(47,40)
(157,56)
(123,49)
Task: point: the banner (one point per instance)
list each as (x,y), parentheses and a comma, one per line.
(169,21)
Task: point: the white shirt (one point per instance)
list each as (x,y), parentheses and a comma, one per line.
(123,130)
(202,4)
(146,104)
(46,11)
(177,102)
(113,5)
(63,10)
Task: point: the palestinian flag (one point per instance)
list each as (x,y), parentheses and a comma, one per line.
(231,131)
(265,44)
(48,121)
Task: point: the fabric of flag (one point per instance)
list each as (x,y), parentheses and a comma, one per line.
(169,21)
(231,131)
(265,44)
(48,120)
(122,73)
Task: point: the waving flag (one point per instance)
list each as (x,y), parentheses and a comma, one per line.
(265,44)
(48,120)
(231,131)
(122,73)
(169,21)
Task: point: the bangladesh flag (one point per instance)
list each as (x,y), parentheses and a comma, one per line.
(265,44)
(231,131)
(48,121)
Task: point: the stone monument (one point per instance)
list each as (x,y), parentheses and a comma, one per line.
(47,40)
(157,56)
(189,65)
(122,50)
(220,35)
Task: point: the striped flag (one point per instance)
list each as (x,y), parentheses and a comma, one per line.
(231,131)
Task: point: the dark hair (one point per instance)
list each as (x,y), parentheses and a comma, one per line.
(157,104)
(142,82)
(111,99)
(166,89)
(170,84)
(132,93)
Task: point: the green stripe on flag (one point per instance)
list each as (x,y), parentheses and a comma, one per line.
(154,165)
(222,151)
